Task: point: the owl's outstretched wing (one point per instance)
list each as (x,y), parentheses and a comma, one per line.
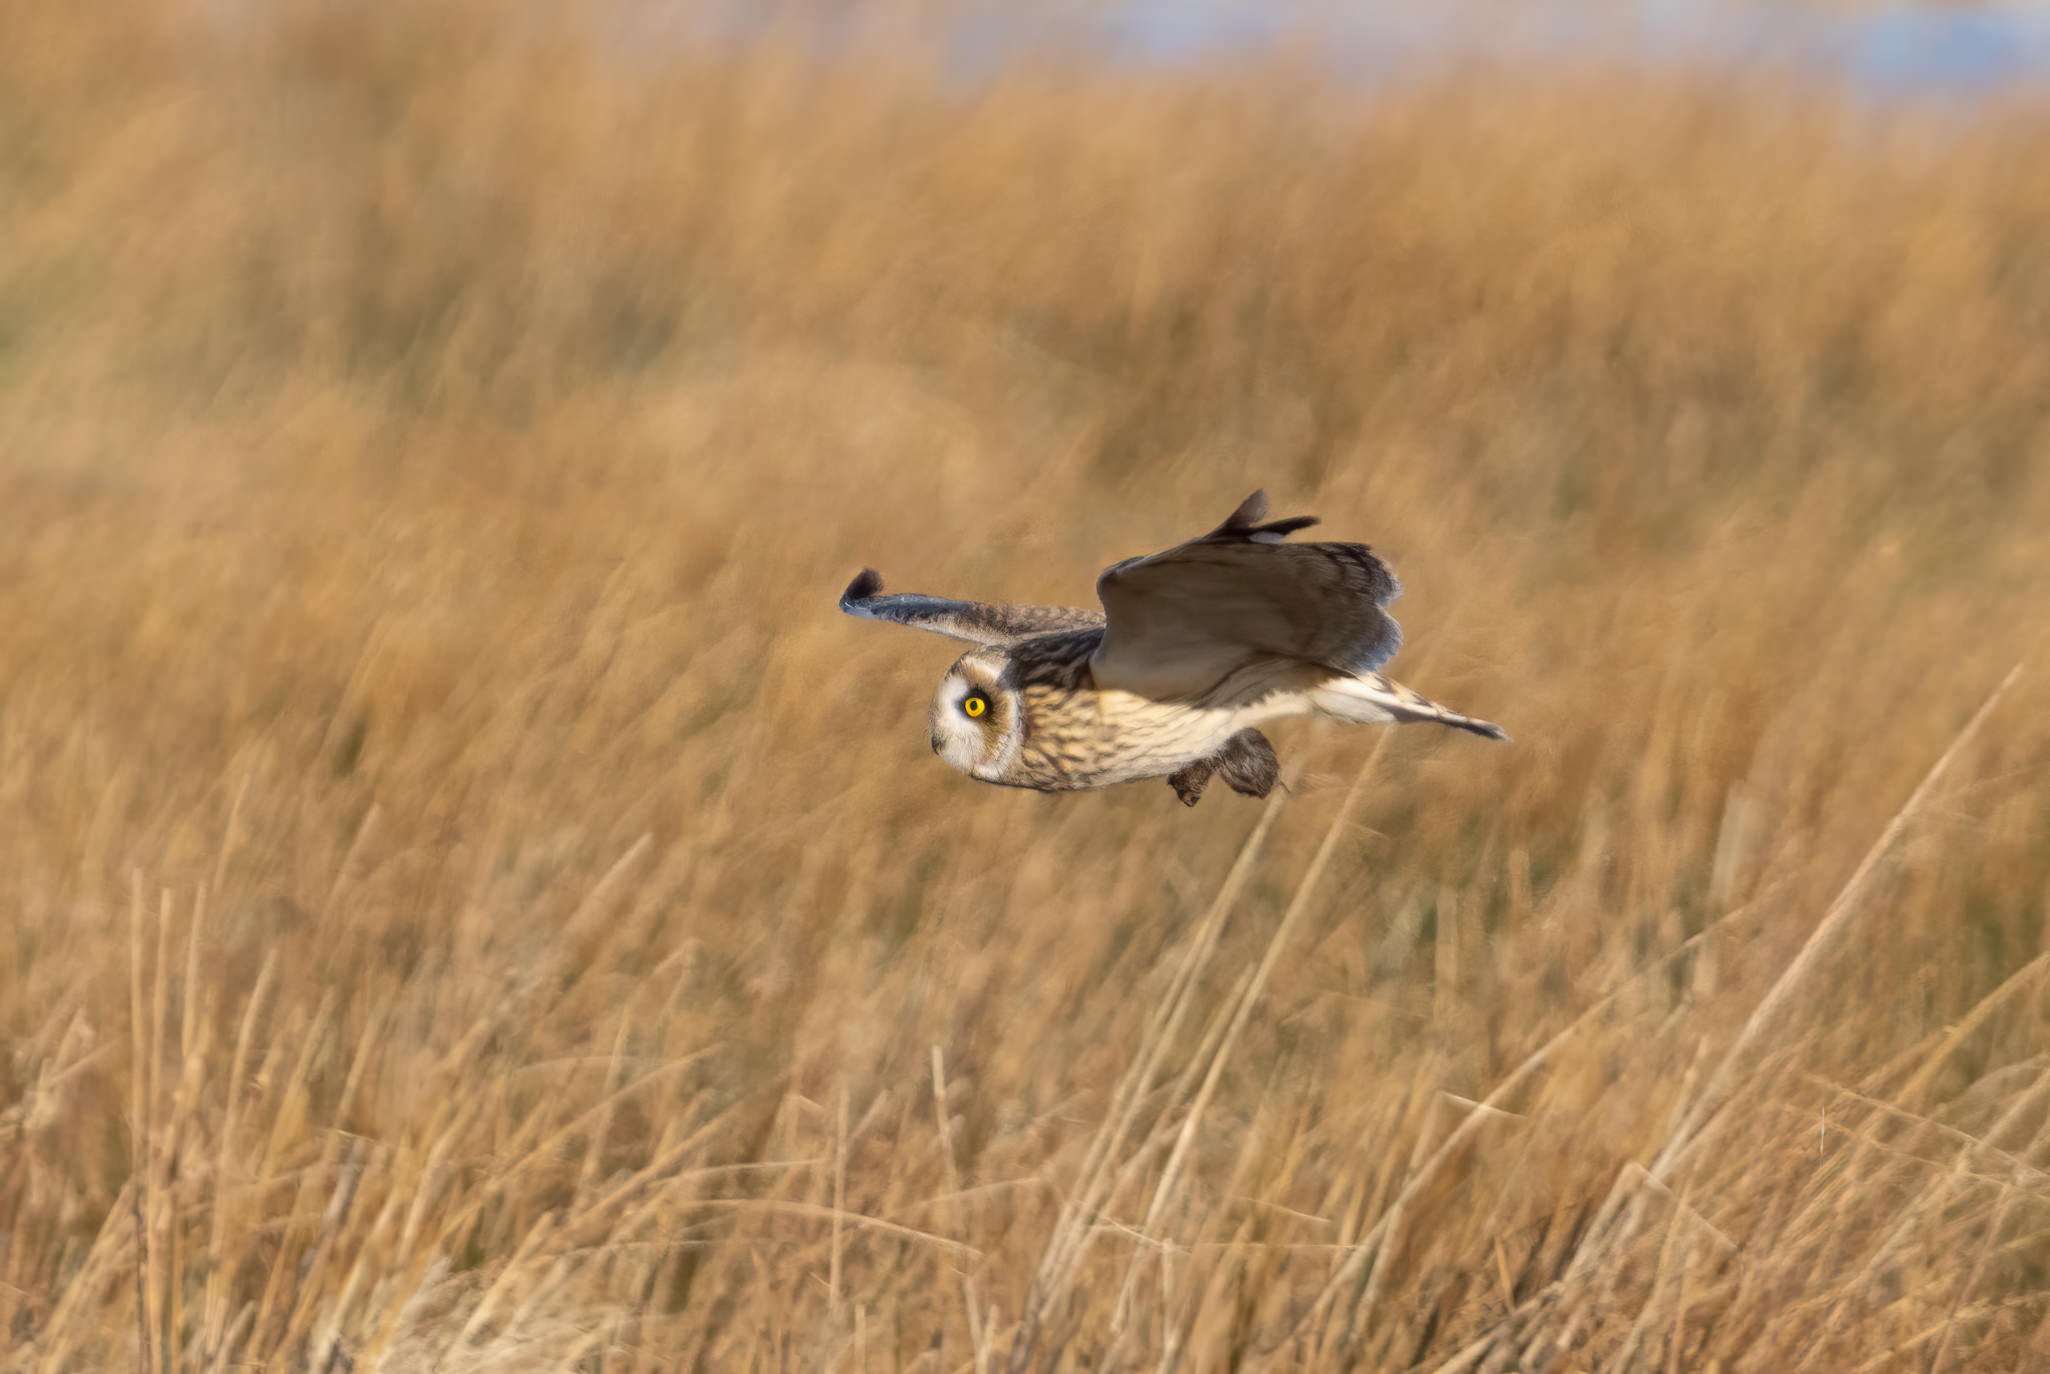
(980,622)
(1179,623)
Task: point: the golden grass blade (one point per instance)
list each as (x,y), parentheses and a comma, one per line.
(1779,998)
(215,1346)
(1171,1173)
(1064,1251)
(140,1134)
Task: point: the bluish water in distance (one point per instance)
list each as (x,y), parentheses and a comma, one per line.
(1905,51)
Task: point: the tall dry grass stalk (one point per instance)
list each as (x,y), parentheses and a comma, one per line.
(468,901)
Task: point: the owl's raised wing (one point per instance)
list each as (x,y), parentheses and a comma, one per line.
(980,622)
(1179,623)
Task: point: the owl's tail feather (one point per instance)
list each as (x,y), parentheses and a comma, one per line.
(1370,698)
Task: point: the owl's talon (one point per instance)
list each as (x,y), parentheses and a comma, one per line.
(1248,764)
(1188,784)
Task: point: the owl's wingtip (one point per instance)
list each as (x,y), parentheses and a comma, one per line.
(1250,521)
(866,584)
(1250,512)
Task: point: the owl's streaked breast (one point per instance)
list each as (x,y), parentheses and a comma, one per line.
(1091,739)
(1077,736)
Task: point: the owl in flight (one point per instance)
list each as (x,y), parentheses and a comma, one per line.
(1193,650)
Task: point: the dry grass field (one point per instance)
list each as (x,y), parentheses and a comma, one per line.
(469,902)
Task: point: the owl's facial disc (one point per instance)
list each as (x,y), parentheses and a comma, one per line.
(973,720)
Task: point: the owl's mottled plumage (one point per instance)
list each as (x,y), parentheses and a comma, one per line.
(1194,648)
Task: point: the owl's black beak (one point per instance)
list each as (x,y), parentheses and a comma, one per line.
(936,744)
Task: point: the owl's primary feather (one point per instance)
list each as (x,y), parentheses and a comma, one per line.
(980,622)
(1195,646)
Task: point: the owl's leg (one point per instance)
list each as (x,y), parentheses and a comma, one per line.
(1189,783)
(1248,764)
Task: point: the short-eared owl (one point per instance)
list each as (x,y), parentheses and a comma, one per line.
(1193,648)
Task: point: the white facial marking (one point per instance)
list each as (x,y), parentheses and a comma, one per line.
(969,743)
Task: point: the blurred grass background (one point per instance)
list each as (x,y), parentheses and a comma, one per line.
(467,900)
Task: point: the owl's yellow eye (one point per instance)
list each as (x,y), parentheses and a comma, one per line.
(976,704)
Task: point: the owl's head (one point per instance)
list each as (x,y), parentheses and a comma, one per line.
(977,720)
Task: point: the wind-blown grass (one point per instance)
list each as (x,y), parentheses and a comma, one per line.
(467,900)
